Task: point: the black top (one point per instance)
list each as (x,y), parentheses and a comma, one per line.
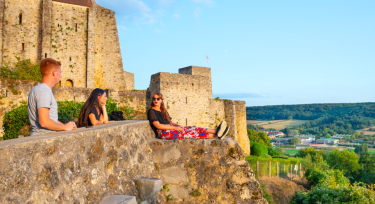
(95,112)
(154,115)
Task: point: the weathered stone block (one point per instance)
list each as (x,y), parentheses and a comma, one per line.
(147,188)
(179,192)
(120,199)
(167,154)
(174,175)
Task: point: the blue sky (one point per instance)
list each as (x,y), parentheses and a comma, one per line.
(262,52)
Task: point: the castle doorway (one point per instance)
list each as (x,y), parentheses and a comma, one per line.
(69,83)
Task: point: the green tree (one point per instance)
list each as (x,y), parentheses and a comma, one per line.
(327,135)
(294,141)
(362,149)
(291,133)
(344,160)
(260,137)
(258,149)
(305,151)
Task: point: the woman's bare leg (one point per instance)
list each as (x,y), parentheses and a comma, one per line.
(212,131)
(211,136)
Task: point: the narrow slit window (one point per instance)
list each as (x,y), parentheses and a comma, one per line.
(20,18)
(76,27)
(70,58)
(58,25)
(23,46)
(45,55)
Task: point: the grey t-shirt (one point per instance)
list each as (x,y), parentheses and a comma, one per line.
(41,96)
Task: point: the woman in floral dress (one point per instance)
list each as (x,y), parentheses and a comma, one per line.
(161,123)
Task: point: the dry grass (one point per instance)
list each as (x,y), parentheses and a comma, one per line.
(277,124)
(366,131)
(281,189)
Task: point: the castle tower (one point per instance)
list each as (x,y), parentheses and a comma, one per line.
(188,99)
(79,33)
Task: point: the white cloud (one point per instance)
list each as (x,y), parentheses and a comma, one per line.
(149,21)
(206,2)
(122,27)
(176,16)
(197,12)
(165,2)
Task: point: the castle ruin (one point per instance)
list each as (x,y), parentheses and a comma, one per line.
(79,33)
(90,165)
(188,99)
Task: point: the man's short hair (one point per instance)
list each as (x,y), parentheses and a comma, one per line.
(48,64)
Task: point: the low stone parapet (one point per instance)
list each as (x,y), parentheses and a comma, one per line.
(88,165)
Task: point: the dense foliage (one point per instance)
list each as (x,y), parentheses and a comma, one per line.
(16,121)
(258,137)
(338,118)
(258,149)
(357,194)
(22,70)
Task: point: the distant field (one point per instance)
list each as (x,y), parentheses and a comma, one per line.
(291,151)
(366,132)
(277,124)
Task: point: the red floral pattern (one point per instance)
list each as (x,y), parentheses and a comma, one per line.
(189,132)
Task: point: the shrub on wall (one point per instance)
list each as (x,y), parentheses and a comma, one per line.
(14,121)
(22,70)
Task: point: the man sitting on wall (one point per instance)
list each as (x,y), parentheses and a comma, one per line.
(42,105)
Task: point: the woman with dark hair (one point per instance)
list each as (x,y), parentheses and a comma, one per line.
(93,112)
(161,123)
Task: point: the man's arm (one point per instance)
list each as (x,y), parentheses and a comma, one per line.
(49,124)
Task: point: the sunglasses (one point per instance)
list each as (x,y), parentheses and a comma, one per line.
(156,99)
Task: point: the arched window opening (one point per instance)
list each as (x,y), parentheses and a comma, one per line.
(58,25)
(76,27)
(70,58)
(23,46)
(45,55)
(20,18)
(69,83)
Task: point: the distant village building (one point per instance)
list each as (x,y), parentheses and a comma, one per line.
(274,134)
(306,138)
(327,141)
(340,136)
(281,141)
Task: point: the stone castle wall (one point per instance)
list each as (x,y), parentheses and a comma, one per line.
(185,96)
(241,125)
(21,41)
(188,99)
(84,39)
(88,165)
(216,112)
(69,41)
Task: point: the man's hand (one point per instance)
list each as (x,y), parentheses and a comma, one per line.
(70,126)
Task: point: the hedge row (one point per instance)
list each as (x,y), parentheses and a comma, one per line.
(16,122)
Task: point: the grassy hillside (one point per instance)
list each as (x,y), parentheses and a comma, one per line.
(338,118)
(277,124)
